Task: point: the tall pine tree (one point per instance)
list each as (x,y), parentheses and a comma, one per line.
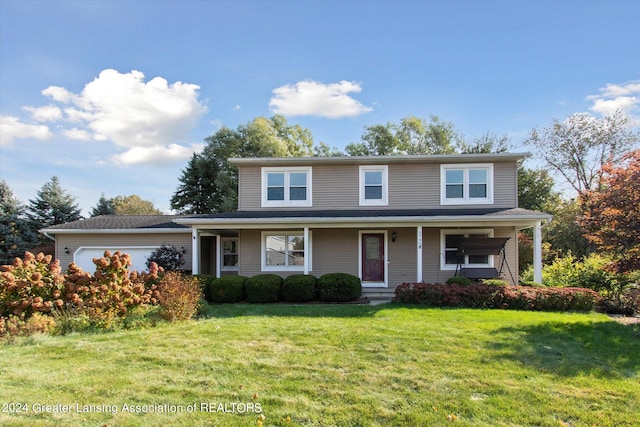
(104,207)
(15,234)
(52,205)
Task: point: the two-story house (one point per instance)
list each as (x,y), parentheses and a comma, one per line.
(386,219)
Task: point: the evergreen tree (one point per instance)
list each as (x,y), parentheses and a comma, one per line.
(52,205)
(104,207)
(15,235)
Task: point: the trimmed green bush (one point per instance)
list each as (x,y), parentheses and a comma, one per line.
(263,288)
(227,289)
(339,287)
(299,288)
(205,280)
(457,280)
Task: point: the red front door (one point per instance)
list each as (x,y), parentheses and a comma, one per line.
(373,257)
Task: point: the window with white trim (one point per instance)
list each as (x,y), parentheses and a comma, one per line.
(284,250)
(466,184)
(373,185)
(286,186)
(229,253)
(450,242)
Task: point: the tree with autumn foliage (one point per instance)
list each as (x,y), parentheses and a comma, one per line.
(612,217)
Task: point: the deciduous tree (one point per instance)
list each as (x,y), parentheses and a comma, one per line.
(578,147)
(412,135)
(209,183)
(133,205)
(612,217)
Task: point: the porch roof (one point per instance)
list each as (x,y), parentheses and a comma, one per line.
(516,217)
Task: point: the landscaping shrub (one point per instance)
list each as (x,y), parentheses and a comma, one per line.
(227,289)
(507,297)
(339,287)
(458,280)
(494,282)
(13,326)
(178,296)
(31,285)
(112,290)
(205,281)
(263,288)
(299,288)
(167,257)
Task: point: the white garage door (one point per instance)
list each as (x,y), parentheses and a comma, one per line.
(84,256)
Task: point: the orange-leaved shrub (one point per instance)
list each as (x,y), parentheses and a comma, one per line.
(31,285)
(112,290)
(178,296)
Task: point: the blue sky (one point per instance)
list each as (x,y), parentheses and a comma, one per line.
(113,97)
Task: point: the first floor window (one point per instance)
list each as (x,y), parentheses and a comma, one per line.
(229,253)
(283,250)
(450,241)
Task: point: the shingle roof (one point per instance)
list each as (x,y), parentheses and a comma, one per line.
(366,213)
(121,222)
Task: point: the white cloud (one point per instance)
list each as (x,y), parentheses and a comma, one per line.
(77,134)
(11,128)
(58,93)
(311,98)
(614,97)
(149,120)
(157,154)
(48,113)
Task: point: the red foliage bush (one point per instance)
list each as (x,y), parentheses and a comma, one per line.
(504,297)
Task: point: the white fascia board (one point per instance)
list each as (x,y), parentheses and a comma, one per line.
(46,231)
(520,221)
(434,158)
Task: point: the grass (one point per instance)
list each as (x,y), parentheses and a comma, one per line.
(334,365)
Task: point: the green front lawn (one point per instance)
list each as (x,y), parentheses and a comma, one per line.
(333,365)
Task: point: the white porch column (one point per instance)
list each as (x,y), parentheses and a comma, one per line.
(219,255)
(537,253)
(306,250)
(195,249)
(419,254)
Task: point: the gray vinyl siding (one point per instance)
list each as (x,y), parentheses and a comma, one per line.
(115,240)
(337,250)
(333,251)
(431,271)
(411,186)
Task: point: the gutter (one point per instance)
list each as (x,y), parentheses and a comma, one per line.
(46,233)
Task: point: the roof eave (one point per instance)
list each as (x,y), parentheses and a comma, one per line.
(509,220)
(434,158)
(54,231)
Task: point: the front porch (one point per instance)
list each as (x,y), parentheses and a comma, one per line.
(383,251)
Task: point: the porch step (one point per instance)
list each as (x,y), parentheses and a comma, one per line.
(379,294)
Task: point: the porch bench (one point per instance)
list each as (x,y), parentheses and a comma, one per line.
(480,273)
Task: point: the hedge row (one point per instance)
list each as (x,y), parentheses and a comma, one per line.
(266,288)
(505,297)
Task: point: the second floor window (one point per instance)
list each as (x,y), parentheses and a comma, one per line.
(286,187)
(373,186)
(466,184)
